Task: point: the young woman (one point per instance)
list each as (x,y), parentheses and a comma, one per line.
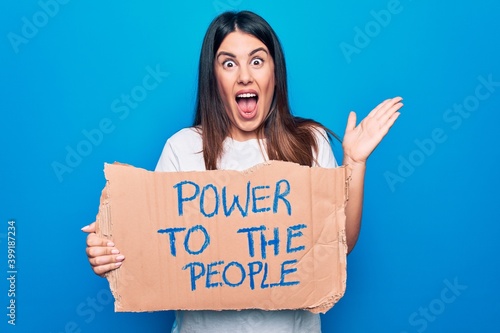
(243,118)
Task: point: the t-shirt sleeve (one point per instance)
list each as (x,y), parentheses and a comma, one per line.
(182,152)
(324,157)
(168,159)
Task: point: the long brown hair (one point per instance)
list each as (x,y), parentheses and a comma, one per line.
(288,138)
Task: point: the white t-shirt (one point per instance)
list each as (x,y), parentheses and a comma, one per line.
(183,152)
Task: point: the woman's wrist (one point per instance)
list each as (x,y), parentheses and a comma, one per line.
(353,164)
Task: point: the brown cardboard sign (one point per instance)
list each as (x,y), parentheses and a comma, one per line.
(271,237)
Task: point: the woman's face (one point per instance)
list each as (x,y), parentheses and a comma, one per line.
(244,70)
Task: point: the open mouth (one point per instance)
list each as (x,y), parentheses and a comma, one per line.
(247,102)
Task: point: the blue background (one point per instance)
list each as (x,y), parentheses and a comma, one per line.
(431,209)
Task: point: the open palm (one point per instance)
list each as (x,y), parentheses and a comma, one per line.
(361,140)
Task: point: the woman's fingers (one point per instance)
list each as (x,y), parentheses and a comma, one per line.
(102,254)
(387,115)
(390,121)
(376,110)
(104,259)
(97,251)
(351,121)
(103,269)
(389,106)
(89,228)
(94,240)
(382,107)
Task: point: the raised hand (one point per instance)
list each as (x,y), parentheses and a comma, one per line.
(360,141)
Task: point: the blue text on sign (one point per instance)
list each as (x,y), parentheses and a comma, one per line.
(261,198)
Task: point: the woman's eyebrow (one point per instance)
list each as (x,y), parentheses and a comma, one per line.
(224,53)
(257,50)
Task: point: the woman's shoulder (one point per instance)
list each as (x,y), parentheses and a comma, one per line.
(186,138)
(182,151)
(187,133)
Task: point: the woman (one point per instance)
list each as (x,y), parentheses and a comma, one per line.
(243,118)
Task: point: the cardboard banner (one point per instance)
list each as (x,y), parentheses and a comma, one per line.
(271,237)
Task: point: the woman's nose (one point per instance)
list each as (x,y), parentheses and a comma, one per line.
(244,75)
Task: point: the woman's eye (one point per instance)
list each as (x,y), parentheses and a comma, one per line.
(257,62)
(228,64)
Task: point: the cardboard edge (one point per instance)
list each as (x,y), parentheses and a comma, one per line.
(103,229)
(329,301)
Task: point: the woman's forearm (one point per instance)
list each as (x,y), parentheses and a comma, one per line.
(354,206)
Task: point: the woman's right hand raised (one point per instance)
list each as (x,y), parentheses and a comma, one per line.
(102,254)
